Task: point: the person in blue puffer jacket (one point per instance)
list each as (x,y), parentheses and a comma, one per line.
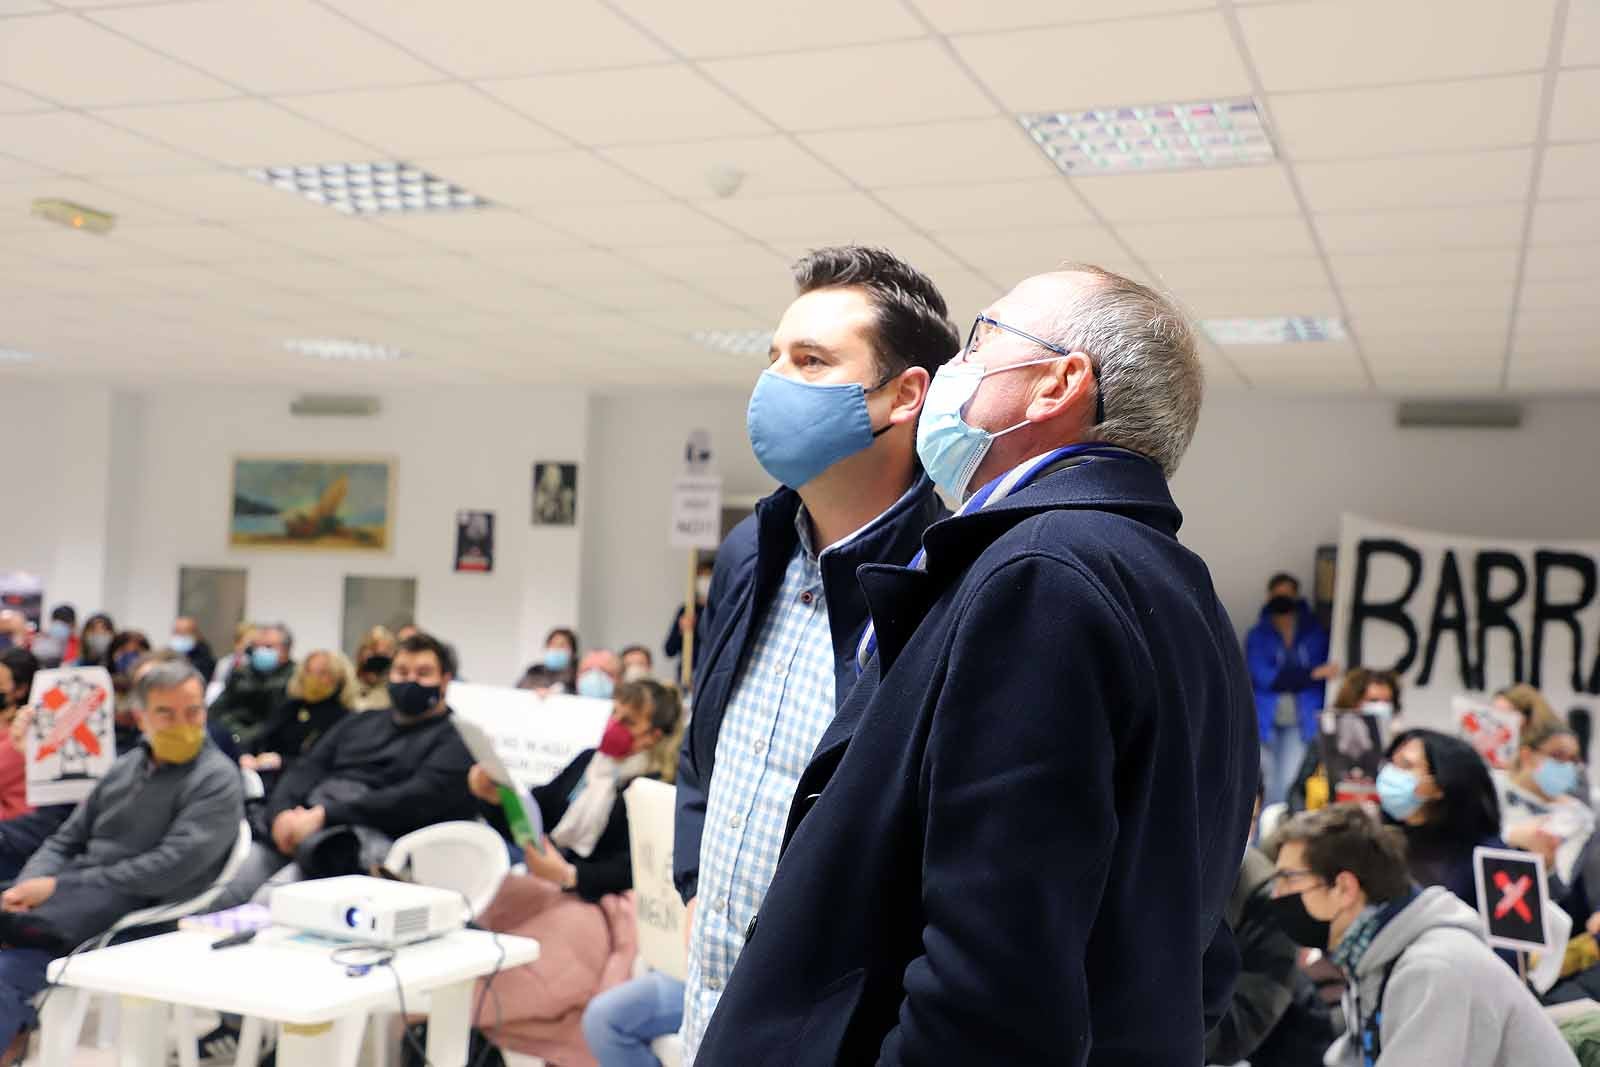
(1287,651)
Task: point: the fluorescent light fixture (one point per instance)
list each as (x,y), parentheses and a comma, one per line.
(735,342)
(341,349)
(1124,140)
(1276,330)
(13,355)
(387,186)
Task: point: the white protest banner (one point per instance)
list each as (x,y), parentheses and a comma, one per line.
(652,808)
(696,512)
(1453,613)
(535,737)
(72,741)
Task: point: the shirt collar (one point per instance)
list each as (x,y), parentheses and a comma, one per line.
(802,525)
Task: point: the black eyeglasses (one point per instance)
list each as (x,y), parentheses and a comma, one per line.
(983,327)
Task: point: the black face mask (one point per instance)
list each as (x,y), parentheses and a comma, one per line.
(1302,927)
(1281,605)
(376,665)
(412,700)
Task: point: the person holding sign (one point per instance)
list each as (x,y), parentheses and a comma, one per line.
(1424,989)
(566,900)
(834,419)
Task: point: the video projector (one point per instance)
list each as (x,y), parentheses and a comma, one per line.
(370,910)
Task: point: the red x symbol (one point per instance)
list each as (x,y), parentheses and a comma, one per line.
(71,723)
(1512,894)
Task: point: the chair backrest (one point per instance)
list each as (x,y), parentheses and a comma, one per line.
(467,857)
(651,810)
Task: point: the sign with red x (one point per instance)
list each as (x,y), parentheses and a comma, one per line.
(1511,896)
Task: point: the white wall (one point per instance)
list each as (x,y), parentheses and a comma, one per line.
(453,450)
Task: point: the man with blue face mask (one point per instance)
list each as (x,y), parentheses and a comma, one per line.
(258,686)
(1029,813)
(834,420)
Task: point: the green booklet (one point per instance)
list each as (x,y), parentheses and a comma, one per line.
(522,814)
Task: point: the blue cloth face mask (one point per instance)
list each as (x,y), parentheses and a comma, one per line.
(798,430)
(557,660)
(595,683)
(1397,793)
(264,660)
(1556,777)
(951,450)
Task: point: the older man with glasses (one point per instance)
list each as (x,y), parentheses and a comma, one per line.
(1015,841)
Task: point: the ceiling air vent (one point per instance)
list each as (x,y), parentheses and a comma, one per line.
(315,404)
(1458,415)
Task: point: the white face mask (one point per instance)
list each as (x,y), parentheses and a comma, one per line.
(702,586)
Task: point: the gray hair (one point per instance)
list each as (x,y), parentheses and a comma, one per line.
(282,628)
(1146,368)
(164,675)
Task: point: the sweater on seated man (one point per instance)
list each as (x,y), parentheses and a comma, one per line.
(158,828)
(370,779)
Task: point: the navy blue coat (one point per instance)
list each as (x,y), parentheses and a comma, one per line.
(749,570)
(1017,839)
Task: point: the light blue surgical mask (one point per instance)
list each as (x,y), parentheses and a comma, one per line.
(951,450)
(1556,777)
(595,683)
(1397,793)
(557,659)
(799,429)
(182,643)
(264,660)
(61,631)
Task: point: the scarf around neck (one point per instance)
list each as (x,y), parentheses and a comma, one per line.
(590,811)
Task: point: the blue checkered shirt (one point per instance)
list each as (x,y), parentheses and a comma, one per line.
(773,721)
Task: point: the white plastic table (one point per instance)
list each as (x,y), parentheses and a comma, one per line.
(275,979)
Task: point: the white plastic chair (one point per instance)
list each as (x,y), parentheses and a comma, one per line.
(161,913)
(254,787)
(467,857)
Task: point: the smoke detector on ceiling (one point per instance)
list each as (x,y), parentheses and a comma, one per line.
(724,180)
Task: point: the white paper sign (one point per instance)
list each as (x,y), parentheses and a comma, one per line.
(652,807)
(696,512)
(72,741)
(1495,735)
(535,737)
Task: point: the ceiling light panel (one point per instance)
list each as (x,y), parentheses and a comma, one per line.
(335,348)
(1274,330)
(12,355)
(1123,140)
(385,187)
(735,342)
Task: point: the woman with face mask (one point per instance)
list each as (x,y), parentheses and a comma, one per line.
(95,642)
(1438,791)
(373,660)
(556,671)
(1538,807)
(1361,691)
(321,693)
(13,771)
(567,900)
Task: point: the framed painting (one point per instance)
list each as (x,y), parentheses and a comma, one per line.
(338,505)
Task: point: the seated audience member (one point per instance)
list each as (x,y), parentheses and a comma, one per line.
(14,632)
(1437,789)
(23,665)
(95,643)
(598,674)
(158,827)
(127,649)
(321,694)
(13,771)
(22,834)
(58,642)
(258,685)
(1361,690)
(372,778)
(556,671)
(187,639)
(637,663)
(1529,703)
(584,858)
(1274,1018)
(1541,784)
(373,660)
(621,1023)
(1425,991)
(241,645)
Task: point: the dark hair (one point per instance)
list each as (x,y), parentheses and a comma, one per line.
(421,642)
(625,653)
(1354,686)
(99,617)
(913,327)
(665,707)
(126,637)
(569,634)
(24,665)
(64,613)
(1283,576)
(1469,810)
(1342,837)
